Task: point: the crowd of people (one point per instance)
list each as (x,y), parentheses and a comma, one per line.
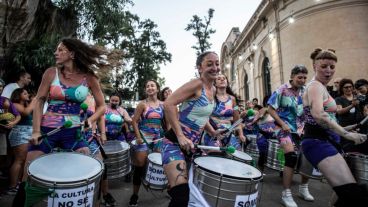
(320,121)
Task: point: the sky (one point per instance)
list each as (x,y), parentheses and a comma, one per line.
(172,16)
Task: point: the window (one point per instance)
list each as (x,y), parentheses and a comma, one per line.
(266,66)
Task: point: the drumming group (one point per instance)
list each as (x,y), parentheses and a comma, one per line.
(196,143)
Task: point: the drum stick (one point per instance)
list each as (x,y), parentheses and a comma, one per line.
(361,123)
(227,132)
(229,149)
(102,150)
(67,124)
(84,107)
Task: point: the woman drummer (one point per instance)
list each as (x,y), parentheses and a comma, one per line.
(65,87)
(286,107)
(115,117)
(322,133)
(197,104)
(225,113)
(147,124)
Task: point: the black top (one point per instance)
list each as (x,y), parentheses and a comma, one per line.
(351,117)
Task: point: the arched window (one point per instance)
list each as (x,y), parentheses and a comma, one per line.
(246,87)
(266,66)
(233,71)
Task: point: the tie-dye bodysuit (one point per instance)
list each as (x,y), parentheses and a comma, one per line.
(289,107)
(223,117)
(193,116)
(114,121)
(64,105)
(150,125)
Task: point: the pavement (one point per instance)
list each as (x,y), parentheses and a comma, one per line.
(270,193)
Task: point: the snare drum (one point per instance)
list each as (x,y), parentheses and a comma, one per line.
(240,156)
(305,168)
(275,155)
(74,178)
(225,182)
(155,177)
(252,148)
(358,164)
(118,163)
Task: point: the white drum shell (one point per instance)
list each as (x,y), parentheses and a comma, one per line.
(118,162)
(63,171)
(155,177)
(222,187)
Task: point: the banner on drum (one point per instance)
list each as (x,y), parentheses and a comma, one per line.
(246,200)
(82,196)
(156,175)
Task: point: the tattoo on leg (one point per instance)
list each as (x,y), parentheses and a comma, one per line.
(182,171)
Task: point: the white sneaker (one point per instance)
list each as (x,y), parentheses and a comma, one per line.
(287,199)
(304,192)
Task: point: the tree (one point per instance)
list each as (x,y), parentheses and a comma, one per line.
(145,52)
(201,31)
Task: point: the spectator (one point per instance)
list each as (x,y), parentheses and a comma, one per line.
(24,79)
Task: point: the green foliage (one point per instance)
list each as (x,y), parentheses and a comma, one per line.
(145,51)
(34,56)
(100,21)
(201,31)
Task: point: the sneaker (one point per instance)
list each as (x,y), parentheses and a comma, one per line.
(304,193)
(287,199)
(109,200)
(12,191)
(133,200)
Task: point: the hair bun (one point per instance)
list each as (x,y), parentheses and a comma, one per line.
(314,54)
(332,50)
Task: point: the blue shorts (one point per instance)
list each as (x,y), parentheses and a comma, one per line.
(66,139)
(20,134)
(262,144)
(316,150)
(171,152)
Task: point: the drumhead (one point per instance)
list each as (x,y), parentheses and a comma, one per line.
(228,168)
(113,146)
(64,167)
(155,158)
(242,155)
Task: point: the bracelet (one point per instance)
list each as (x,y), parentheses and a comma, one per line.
(103,133)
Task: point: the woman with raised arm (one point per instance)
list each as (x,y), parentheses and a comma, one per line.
(65,87)
(322,133)
(197,104)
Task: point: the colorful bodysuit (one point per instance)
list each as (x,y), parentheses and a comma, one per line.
(315,144)
(64,105)
(193,116)
(150,125)
(114,120)
(289,107)
(222,117)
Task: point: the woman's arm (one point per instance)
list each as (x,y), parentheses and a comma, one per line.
(189,90)
(98,96)
(25,111)
(136,117)
(41,97)
(344,110)
(126,116)
(315,101)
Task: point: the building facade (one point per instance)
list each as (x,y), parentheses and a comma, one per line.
(283,33)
